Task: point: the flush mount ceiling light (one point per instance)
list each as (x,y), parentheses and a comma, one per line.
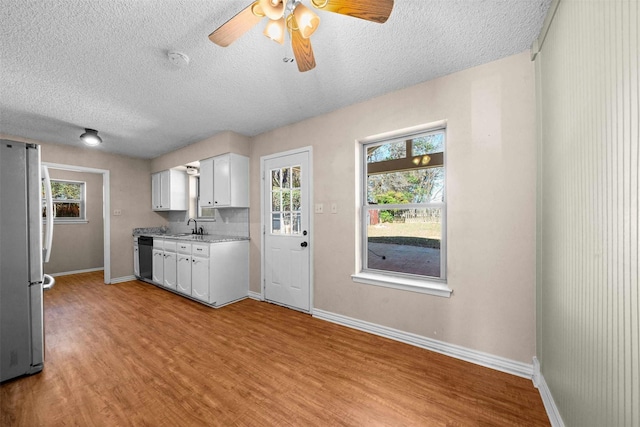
(299,20)
(90,137)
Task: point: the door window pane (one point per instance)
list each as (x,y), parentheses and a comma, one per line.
(285,200)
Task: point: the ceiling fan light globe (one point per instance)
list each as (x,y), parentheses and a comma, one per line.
(274,9)
(319,4)
(307,20)
(275,30)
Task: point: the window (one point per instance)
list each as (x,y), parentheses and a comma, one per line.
(286,211)
(403,212)
(68,201)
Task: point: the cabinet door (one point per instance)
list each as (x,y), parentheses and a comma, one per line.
(206,183)
(221,181)
(183,283)
(156,185)
(136,261)
(170,273)
(157,274)
(200,278)
(165,189)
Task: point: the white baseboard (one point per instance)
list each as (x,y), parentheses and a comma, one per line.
(256,296)
(67,273)
(122,279)
(479,358)
(545,394)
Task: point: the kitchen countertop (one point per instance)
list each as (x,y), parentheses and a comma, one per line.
(206,238)
(159,233)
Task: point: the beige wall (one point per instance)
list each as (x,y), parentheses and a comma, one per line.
(221,143)
(130,188)
(588,327)
(491,204)
(490,114)
(79,246)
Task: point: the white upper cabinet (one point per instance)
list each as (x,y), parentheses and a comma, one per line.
(206,183)
(169,191)
(224,181)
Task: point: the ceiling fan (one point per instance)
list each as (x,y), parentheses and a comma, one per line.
(299,20)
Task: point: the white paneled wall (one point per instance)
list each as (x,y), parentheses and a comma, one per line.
(588,327)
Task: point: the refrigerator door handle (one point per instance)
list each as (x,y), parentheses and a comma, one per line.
(48,283)
(48,237)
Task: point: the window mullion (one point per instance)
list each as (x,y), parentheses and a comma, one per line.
(437,205)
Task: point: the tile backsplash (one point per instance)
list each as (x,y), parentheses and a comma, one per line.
(228,222)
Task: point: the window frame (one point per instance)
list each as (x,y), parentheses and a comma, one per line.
(82,219)
(397,280)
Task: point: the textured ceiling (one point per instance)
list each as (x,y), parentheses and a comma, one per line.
(70,64)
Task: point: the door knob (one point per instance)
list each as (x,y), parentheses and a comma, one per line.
(303,244)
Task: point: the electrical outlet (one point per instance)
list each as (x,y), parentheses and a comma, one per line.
(319,208)
(117,212)
(334,208)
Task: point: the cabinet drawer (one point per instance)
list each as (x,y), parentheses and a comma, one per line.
(184,248)
(169,246)
(158,243)
(200,250)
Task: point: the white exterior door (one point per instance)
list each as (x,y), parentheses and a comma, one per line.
(286,264)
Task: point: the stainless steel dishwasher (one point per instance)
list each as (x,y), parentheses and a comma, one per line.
(145,256)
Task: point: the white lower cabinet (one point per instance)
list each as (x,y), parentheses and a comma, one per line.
(183,282)
(136,258)
(214,273)
(170,270)
(157,267)
(200,278)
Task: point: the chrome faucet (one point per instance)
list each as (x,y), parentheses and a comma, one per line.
(195,230)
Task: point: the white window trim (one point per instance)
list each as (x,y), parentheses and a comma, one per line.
(430,286)
(423,286)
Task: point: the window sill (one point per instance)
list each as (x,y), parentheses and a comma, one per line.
(406,284)
(71,221)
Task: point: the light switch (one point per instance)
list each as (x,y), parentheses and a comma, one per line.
(334,208)
(319,208)
(117,212)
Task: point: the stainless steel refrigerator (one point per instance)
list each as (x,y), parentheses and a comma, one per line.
(23,249)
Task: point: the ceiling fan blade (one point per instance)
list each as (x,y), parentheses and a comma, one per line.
(370,10)
(302,51)
(242,22)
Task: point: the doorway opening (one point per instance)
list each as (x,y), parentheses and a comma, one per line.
(106,222)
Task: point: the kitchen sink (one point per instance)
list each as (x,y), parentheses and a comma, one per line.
(186,236)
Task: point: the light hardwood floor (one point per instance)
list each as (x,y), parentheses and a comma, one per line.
(133,354)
